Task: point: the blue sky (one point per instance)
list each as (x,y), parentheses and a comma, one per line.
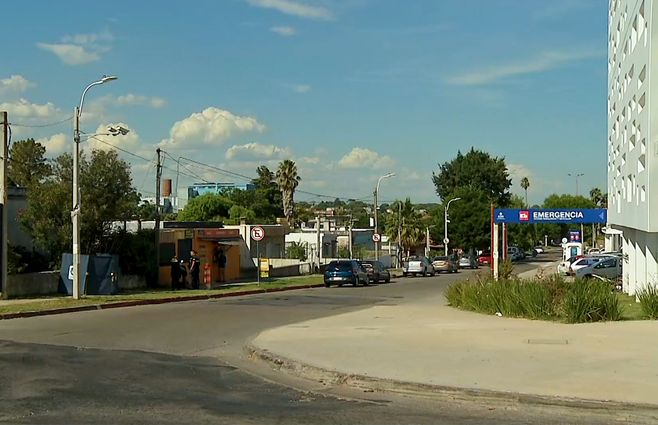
(350,90)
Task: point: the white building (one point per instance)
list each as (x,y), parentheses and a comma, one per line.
(633,137)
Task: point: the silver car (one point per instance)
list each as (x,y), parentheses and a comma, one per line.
(606,268)
(417,265)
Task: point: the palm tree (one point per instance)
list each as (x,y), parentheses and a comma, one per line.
(404,222)
(525,184)
(288,180)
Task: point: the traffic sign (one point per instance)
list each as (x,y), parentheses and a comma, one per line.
(446,240)
(257,233)
(376,237)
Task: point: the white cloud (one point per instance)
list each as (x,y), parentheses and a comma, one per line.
(212,126)
(70,54)
(302,88)
(134,99)
(284,31)
(256,150)
(365,158)
(79,49)
(540,63)
(294,8)
(14,84)
(57,144)
(23,108)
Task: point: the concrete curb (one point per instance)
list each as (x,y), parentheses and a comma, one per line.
(373,383)
(120,304)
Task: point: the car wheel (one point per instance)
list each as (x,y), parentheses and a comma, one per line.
(327,284)
(366,282)
(388,280)
(404,274)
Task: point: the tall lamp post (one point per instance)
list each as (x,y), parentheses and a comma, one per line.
(75,213)
(577,176)
(427,239)
(385,176)
(445,225)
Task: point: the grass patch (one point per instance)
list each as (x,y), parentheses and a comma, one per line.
(60,301)
(649,301)
(548,299)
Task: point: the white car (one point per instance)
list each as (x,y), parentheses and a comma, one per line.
(417,265)
(583,262)
(539,249)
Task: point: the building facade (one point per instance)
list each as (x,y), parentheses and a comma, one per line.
(198,189)
(633,137)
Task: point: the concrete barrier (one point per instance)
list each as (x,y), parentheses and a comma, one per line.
(47,283)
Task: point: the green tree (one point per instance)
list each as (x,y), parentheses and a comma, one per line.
(525,184)
(27,164)
(470,219)
(107,195)
(208,207)
(288,180)
(146,211)
(405,219)
(267,203)
(477,170)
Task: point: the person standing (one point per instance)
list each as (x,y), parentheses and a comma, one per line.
(175,273)
(221,263)
(195,269)
(183,274)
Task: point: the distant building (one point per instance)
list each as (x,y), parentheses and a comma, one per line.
(632,135)
(198,189)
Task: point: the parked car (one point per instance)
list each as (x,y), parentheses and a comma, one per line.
(514,253)
(417,265)
(583,262)
(564,266)
(484,258)
(468,262)
(606,267)
(376,271)
(340,272)
(539,249)
(445,264)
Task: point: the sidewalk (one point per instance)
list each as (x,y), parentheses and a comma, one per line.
(429,343)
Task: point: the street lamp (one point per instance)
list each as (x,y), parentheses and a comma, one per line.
(427,239)
(576,175)
(75,213)
(385,176)
(445,225)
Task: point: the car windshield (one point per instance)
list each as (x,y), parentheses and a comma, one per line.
(339,267)
(440,258)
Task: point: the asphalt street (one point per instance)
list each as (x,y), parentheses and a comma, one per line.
(185,363)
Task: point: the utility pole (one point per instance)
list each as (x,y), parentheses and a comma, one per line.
(318,242)
(376,242)
(349,238)
(4,283)
(158,178)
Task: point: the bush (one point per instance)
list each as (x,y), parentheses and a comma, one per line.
(553,298)
(649,301)
(591,301)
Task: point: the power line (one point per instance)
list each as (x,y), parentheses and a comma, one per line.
(52,124)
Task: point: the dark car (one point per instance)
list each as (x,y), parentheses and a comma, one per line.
(376,271)
(340,272)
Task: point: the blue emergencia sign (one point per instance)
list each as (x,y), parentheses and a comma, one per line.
(557,215)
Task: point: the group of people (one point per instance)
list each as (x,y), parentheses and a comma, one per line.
(181,269)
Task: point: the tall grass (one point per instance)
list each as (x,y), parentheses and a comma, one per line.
(553,299)
(649,301)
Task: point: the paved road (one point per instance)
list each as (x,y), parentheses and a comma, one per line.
(184,363)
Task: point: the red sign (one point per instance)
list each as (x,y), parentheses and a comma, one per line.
(524,215)
(257,233)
